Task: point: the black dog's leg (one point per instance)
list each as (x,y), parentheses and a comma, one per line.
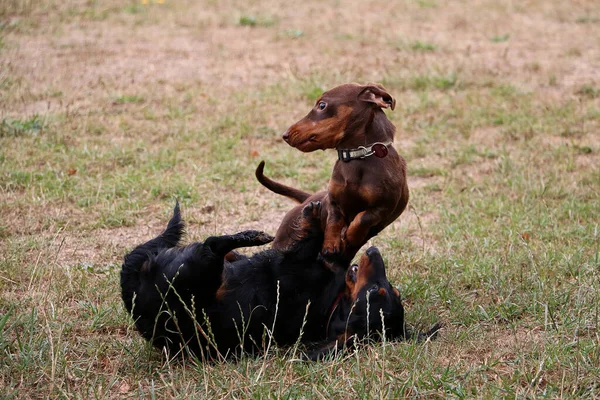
(215,249)
(221,245)
(206,260)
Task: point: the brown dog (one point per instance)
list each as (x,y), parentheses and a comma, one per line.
(368,189)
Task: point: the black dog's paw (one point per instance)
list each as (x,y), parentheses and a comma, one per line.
(312,210)
(259,236)
(431,334)
(420,337)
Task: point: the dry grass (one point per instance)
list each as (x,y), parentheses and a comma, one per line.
(110,109)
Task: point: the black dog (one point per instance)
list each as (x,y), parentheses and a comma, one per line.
(190,297)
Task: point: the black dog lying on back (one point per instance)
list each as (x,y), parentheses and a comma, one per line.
(191,297)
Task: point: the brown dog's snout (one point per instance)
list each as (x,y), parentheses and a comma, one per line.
(286,136)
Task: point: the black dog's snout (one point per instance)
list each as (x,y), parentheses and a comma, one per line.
(371,251)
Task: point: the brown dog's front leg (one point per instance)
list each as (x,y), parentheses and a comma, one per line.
(332,244)
(356,234)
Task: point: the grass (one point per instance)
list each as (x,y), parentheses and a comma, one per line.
(422,46)
(29,126)
(124,99)
(588,91)
(251,20)
(500,38)
(501,241)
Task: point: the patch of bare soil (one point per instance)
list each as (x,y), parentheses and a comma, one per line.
(106,246)
(527,45)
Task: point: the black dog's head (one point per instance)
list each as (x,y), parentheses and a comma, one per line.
(369,306)
(376,304)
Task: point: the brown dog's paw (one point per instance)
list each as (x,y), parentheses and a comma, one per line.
(332,248)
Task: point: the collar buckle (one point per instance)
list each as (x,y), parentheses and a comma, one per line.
(379,149)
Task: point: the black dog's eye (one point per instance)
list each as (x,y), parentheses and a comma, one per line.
(322,105)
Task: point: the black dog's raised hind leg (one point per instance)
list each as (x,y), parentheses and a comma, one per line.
(221,245)
(207,260)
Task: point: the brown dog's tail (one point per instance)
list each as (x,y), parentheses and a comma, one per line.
(276,187)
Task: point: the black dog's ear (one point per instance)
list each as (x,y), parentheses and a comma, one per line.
(377,95)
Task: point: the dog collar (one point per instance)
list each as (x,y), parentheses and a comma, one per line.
(378,149)
(334,307)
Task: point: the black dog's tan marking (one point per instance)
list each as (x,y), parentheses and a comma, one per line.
(191,297)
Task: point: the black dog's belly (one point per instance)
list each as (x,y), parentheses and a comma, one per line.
(264,305)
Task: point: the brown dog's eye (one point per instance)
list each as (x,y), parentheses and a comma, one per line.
(322,105)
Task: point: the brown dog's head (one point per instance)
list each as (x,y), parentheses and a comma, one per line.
(335,113)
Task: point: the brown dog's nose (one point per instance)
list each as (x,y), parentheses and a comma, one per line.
(286,136)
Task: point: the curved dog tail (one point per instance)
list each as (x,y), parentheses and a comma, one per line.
(134,261)
(276,187)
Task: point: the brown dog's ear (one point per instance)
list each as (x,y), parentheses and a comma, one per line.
(377,95)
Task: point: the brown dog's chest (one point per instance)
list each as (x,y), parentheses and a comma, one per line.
(375,184)
(352,197)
